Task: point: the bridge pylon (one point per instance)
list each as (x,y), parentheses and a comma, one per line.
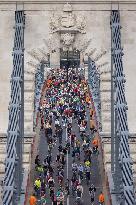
(121,162)
(15,134)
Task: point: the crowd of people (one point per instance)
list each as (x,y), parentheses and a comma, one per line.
(64,120)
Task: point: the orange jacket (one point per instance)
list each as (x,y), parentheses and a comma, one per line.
(49,81)
(87,99)
(95,142)
(32,200)
(101,198)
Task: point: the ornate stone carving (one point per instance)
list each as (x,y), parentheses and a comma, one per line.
(91,52)
(67,18)
(81,23)
(82,43)
(67,25)
(99,56)
(104,69)
(32,64)
(103,64)
(53,43)
(54,22)
(33,53)
(67,40)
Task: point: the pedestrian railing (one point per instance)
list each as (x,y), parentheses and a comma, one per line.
(123,177)
(39,80)
(15,133)
(94,84)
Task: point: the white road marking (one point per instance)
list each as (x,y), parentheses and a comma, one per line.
(67,162)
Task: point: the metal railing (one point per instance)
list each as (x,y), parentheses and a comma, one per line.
(94,84)
(15,133)
(39,80)
(120,156)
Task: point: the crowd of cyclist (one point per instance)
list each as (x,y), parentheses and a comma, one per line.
(66,102)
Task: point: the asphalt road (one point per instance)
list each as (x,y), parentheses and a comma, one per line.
(95,173)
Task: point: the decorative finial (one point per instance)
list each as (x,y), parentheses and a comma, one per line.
(67,7)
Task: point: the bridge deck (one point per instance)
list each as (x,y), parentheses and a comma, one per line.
(96,173)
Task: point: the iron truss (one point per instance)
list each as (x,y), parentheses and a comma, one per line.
(122,166)
(94,84)
(15,133)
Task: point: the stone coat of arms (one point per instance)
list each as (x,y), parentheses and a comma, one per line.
(67,25)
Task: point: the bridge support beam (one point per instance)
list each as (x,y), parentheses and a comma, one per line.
(15,134)
(121,160)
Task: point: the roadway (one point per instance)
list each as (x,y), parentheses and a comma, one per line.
(96,177)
